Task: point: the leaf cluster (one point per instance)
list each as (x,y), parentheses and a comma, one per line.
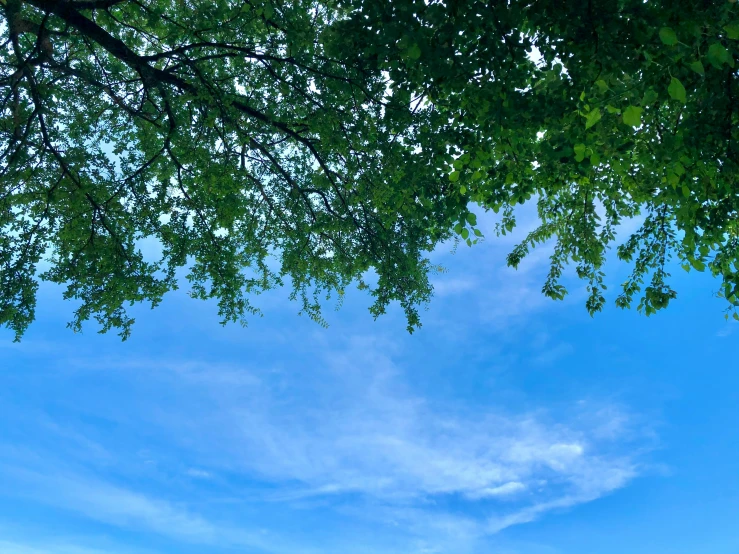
(265,142)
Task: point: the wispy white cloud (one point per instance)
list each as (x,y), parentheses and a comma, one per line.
(496,295)
(355,426)
(349,431)
(727,329)
(108,503)
(592,485)
(451,286)
(199,473)
(123,507)
(507,489)
(55,547)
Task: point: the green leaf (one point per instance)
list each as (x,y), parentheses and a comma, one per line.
(677,90)
(732,31)
(414,52)
(718,55)
(579,152)
(650,97)
(454,176)
(697,66)
(471,219)
(632,116)
(602,85)
(668,36)
(465,233)
(592,118)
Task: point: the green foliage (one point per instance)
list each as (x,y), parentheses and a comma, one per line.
(307,142)
(667,36)
(592,117)
(677,90)
(632,116)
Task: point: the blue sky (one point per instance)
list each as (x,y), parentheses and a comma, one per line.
(508,424)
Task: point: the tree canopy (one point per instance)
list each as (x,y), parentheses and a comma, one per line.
(263,142)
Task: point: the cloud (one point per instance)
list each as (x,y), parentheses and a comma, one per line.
(37,543)
(199,473)
(507,489)
(112,504)
(345,431)
(530,513)
(119,506)
(726,330)
(354,426)
(496,295)
(10,547)
(449,287)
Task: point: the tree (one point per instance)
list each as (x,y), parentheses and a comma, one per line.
(340,136)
